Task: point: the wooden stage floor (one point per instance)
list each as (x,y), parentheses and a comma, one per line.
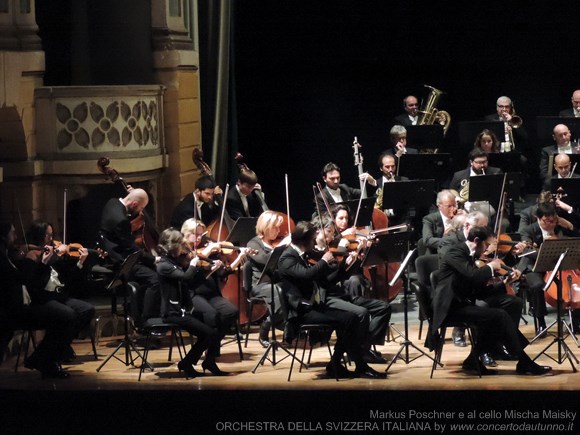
(246,394)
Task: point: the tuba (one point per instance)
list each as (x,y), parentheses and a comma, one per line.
(429,115)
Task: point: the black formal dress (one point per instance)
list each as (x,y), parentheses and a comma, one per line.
(117,239)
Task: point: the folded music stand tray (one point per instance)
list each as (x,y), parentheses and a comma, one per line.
(270,271)
(556,256)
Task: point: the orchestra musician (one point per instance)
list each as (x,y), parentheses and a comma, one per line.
(574,111)
(205,291)
(548,224)
(306,297)
(17,312)
(460,283)
(177,307)
(487,141)
(564,210)
(561,135)
(563,168)
(201,204)
(437,223)
(478,165)
(48,273)
(118,241)
(504,113)
(388,168)
(266,239)
(345,289)
(411,108)
(244,200)
(398,138)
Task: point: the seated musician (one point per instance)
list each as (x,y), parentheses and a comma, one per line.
(437,223)
(574,111)
(487,141)
(266,239)
(334,191)
(511,304)
(548,224)
(505,113)
(398,138)
(201,204)
(247,198)
(47,273)
(176,304)
(346,287)
(388,167)
(118,241)
(17,311)
(478,165)
(561,135)
(564,210)
(205,291)
(460,283)
(303,284)
(563,168)
(411,108)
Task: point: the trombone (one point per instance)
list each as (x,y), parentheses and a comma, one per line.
(513,122)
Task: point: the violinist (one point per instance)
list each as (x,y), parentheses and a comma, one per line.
(564,210)
(266,239)
(345,292)
(460,284)
(304,285)
(201,204)
(563,168)
(118,241)
(17,311)
(245,200)
(48,274)
(548,225)
(176,305)
(437,223)
(205,289)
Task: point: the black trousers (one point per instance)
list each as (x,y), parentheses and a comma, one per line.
(217,312)
(207,337)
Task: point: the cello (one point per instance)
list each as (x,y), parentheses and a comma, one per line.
(381,274)
(142,227)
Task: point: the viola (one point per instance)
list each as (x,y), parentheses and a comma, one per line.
(503,271)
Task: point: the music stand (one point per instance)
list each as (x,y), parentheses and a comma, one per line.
(424,136)
(407,194)
(270,272)
(468,131)
(122,280)
(571,187)
(366,210)
(488,187)
(556,256)
(243,231)
(507,162)
(425,166)
(545,127)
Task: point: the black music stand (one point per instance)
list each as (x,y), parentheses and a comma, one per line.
(365,213)
(571,187)
(507,162)
(425,166)
(545,127)
(468,131)
(556,256)
(407,194)
(406,342)
(122,280)
(270,271)
(243,231)
(424,136)
(488,187)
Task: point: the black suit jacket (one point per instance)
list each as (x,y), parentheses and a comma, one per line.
(458,280)
(185,210)
(235,208)
(116,236)
(346,192)
(567,113)
(393,151)
(402,119)
(548,181)
(461,177)
(433,229)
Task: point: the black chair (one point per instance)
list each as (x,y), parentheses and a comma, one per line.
(252,301)
(424,265)
(157,326)
(310,333)
(440,341)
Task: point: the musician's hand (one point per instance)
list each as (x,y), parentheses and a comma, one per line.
(368,178)
(286,240)
(84,253)
(519,248)
(257,186)
(515,275)
(329,257)
(210,248)
(563,206)
(217,190)
(351,258)
(102,253)
(216,265)
(349,231)
(194,261)
(564,223)
(495,264)
(47,254)
(129,188)
(400,147)
(61,249)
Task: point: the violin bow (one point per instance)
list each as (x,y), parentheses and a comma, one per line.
(287,201)
(222,214)
(64,217)
(320,223)
(327,205)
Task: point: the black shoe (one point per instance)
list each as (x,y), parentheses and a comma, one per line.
(212,367)
(69,355)
(531,368)
(487,360)
(371,357)
(475,366)
(264,335)
(502,354)
(369,373)
(53,371)
(541,332)
(459,337)
(188,369)
(340,372)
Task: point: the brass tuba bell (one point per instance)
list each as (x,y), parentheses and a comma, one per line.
(429,115)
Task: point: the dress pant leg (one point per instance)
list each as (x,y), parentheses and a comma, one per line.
(84,311)
(510,304)
(206,337)
(361,313)
(149,297)
(536,285)
(380,315)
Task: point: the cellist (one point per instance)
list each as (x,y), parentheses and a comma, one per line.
(548,224)
(201,204)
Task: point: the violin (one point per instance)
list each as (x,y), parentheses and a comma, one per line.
(503,271)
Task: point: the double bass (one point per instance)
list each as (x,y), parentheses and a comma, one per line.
(381,274)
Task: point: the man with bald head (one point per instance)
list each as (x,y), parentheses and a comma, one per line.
(574,111)
(117,239)
(561,135)
(504,108)
(411,108)
(562,168)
